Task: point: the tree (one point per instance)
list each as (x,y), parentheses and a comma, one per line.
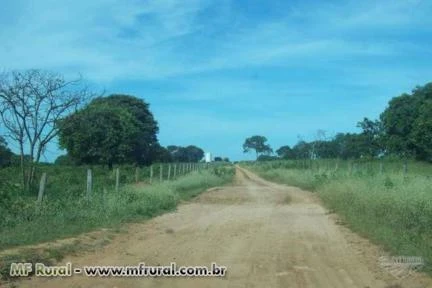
(422,132)
(218,159)
(190,153)
(264,157)
(285,152)
(146,142)
(99,134)
(302,150)
(372,136)
(5,153)
(31,102)
(64,160)
(160,154)
(257,143)
(194,153)
(400,122)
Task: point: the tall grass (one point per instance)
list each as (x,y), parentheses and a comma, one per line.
(24,222)
(388,206)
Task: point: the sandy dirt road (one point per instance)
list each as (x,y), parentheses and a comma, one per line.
(268,235)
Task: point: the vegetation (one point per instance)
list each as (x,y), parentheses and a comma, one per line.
(5,154)
(258,144)
(404,130)
(31,102)
(65,212)
(382,200)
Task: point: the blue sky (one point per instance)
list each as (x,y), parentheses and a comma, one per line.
(216,72)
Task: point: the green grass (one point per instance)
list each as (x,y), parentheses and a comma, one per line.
(67,214)
(390,208)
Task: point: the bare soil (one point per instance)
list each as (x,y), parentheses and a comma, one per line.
(268,235)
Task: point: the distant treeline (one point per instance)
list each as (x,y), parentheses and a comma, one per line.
(404,129)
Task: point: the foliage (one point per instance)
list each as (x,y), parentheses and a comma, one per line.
(190,153)
(64,160)
(5,154)
(31,102)
(66,212)
(257,143)
(406,123)
(99,134)
(145,143)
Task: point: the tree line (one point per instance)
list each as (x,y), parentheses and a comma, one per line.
(404,129)
(37,107)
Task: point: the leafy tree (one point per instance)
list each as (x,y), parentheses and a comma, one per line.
(190,153)
(99,134)
(264,157)
(226,159)
(285,152)
(160,154)
(400,120)
(5,153)
(257,143)
(422,132)
(302,150)
(145,143)
(218,159)
(64,160)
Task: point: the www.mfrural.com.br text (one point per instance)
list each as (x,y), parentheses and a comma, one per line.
(140,270)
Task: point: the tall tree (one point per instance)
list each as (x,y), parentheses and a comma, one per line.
(400,122)
(285,152)
(190,153)
(257,143)
(99,134)
(31,102)
(146,142)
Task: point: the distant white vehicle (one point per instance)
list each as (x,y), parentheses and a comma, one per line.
(208,157)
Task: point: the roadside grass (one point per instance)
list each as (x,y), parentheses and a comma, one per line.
(26,223)
(390,208)
(58,219)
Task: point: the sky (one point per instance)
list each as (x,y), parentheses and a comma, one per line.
(216,72)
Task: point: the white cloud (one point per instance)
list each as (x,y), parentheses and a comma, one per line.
(91,36)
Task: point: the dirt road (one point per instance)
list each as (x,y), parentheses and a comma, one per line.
(267,235)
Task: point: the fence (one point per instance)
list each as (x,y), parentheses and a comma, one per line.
(353,167)
(155,173)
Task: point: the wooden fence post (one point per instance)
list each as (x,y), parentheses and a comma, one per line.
(89,184)
(161,173)
(117,185)
(42,185)
(169,172)
(381,168)
(151,174)
(175,171)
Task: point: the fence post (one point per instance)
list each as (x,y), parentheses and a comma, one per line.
(381,168)
(151,174)
(175,171)
(136,174)
(169,172)
(161,173)
(42,185)
(89,184)
(405,167)
(117,185)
